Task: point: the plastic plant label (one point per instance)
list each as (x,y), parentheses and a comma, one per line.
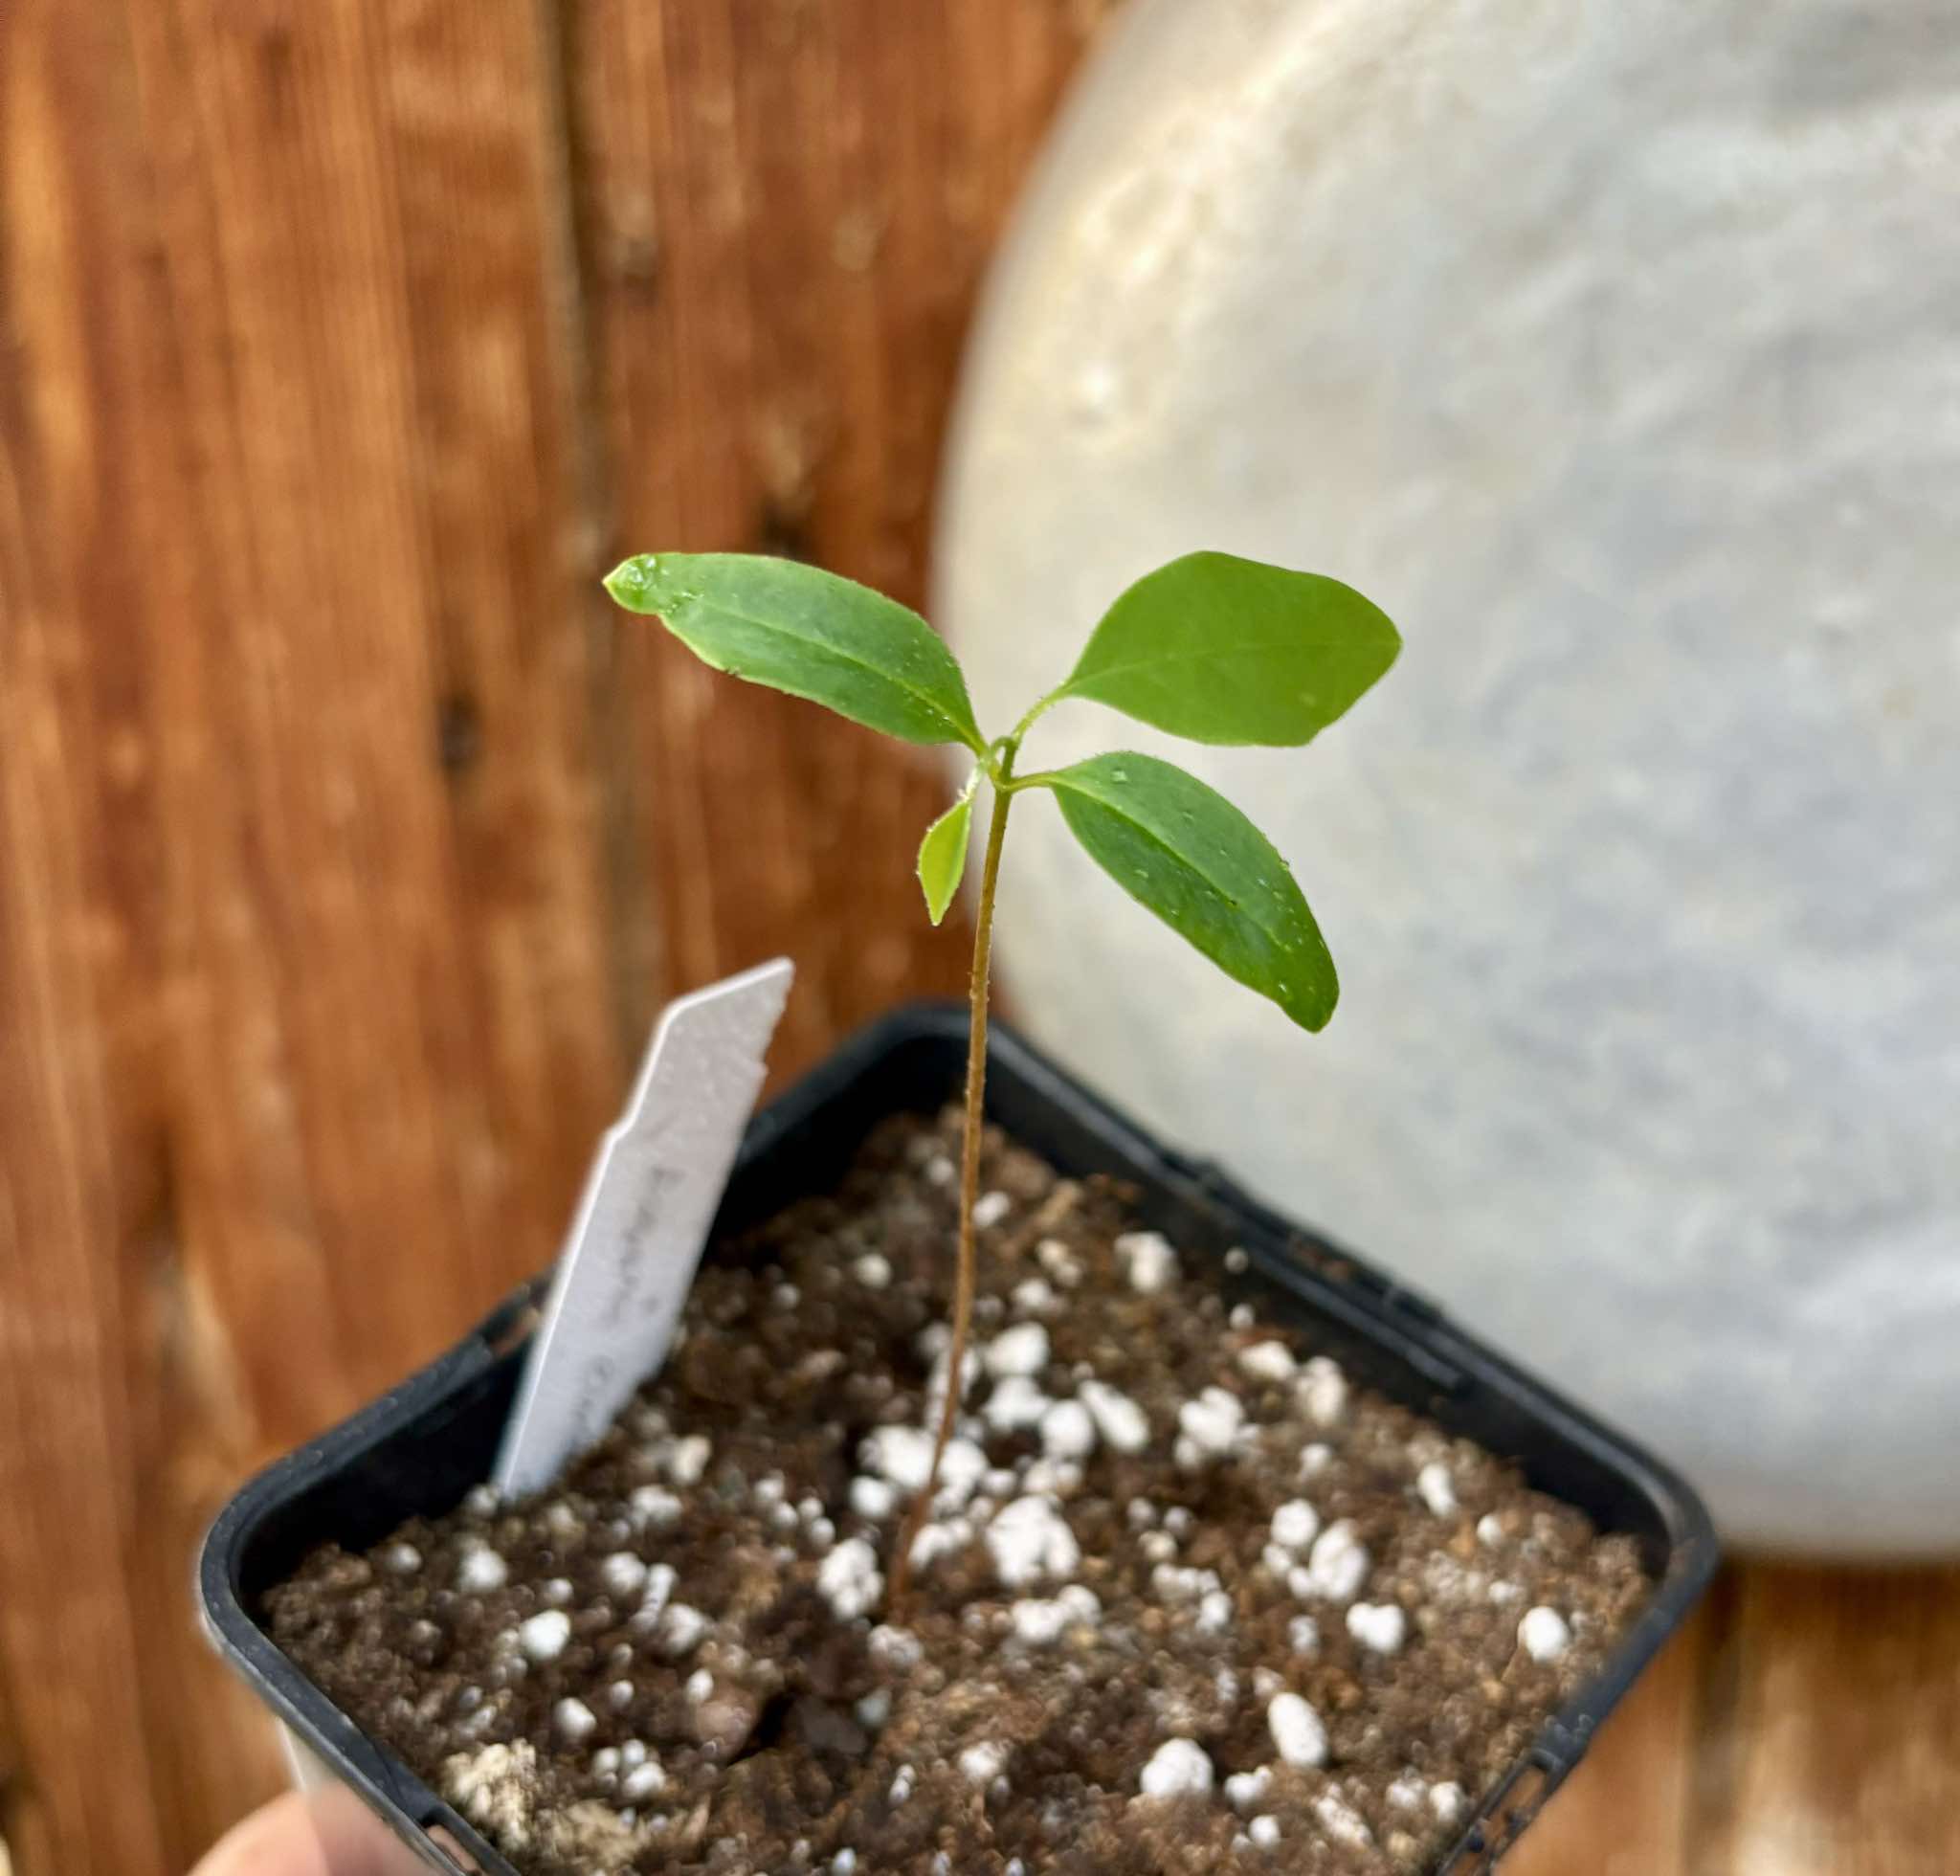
(642,1220)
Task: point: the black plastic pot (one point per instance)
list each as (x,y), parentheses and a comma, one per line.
(422,1445)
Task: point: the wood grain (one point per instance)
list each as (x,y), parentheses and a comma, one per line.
(1838,1746)
(784,210)
(348,841)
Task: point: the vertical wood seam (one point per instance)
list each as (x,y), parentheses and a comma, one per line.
(635,940)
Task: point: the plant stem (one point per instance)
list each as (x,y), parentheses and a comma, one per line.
(969,1175)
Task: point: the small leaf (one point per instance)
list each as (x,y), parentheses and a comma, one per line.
(1224,650)
(813,633)
(1183,850)
(943,855)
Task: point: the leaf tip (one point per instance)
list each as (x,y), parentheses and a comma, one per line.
(632,582)
(942,856)
(1312,1007)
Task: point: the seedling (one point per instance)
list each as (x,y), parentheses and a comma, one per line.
(1208,647)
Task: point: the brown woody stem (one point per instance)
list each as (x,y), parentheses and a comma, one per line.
(969,1178)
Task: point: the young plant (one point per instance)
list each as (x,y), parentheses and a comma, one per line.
(1210,647)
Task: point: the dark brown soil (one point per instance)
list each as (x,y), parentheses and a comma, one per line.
(745,1714)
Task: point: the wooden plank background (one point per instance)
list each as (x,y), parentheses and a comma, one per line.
(348,840)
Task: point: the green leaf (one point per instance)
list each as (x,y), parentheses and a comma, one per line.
(943,853)
(1224,650)
(1183,850)
(811,634)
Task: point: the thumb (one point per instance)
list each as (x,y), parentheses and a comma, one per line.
(329,1831)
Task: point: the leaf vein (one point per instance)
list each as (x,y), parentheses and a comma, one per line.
(961,730)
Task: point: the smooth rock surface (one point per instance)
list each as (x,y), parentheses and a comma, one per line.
(1616,350)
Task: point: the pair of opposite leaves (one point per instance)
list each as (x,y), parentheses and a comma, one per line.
(1210,647)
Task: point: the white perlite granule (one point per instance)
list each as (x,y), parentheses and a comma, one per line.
(1041,1621)
(480,1570)
(990,1207)
(682,1629)
(1119,1420)
(1179,1583)
(1059,1262)
(1447,1801)
(1337,1566)
(938,1540)
(1177,1769)
(1264,1832)
(900,1455)
(1296,1524)
(1322,1391)
(1016,1403)
(623,1574)
(1068,1430)
(1543,1634)
(1380,1626)
(896,1647)
(960,1469)
(1303,1635)
(1297,1733)
(573,1719)
(1210,1424)
(873,1271)
(542,1637)
(654,1508)
(1268,1361)
(642,1783)
(982,1764)
(1246,1791)
(1033,1296)
(1437,1492)
(872,1498)
(1019,1351)
(1148,1261)
(849,1580)
(688,1459)
(1030,1539)
(1340,1820)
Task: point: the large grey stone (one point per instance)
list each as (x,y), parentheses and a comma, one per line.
(1615,350)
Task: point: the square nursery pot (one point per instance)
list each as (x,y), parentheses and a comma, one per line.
(423,1444)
